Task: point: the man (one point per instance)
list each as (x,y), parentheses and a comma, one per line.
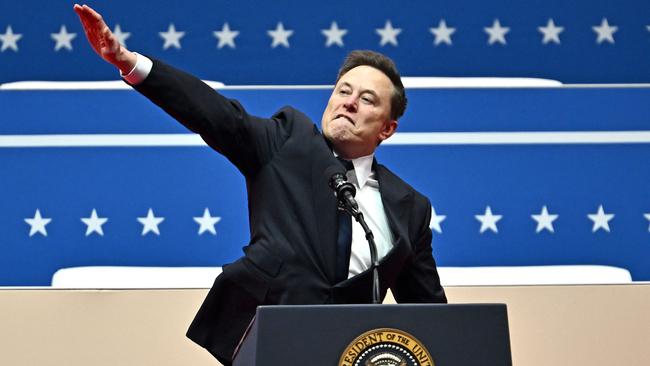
(296,254)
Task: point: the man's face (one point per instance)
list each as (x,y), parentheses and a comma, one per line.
(357,116)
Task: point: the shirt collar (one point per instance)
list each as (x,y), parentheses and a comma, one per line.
(362,168)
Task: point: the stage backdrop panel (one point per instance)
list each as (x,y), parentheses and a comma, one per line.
(303,42)
(515,176)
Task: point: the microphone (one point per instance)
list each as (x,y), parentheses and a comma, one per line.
(344,190)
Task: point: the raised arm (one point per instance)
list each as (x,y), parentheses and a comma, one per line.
(103,41)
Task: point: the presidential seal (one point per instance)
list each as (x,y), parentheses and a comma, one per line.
(386,347)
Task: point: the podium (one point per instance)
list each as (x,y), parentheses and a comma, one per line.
(367,335)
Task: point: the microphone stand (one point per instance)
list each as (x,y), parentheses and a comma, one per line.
(374,264)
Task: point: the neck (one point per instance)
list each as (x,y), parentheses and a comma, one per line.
(350,154)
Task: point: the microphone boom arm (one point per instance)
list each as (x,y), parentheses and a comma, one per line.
(345,192)
(374,263)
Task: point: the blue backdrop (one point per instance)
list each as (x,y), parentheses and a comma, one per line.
(48,186)
(515,178)
(574,52)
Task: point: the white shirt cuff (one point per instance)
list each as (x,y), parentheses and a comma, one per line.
(140,71)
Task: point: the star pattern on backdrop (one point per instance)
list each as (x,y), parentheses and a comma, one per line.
(120,35)
(551,32)
(442,33)
(600,219)
(63,39)
(488,220)
(10,39)
(544,220)
(605,32)
(497,33)
(226,36)
(94,223)
(37,224)
(172,37)
(434,223)
(388,34)
(150,223)
(207,222)
(334,35)
(280,36)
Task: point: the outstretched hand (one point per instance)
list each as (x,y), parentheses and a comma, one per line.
(103,41)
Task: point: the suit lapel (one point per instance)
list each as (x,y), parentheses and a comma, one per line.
(325,206)
(396,199)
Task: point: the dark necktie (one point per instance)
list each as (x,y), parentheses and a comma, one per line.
(344,241)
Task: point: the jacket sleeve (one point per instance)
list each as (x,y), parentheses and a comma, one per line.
(418,282)
(247,141)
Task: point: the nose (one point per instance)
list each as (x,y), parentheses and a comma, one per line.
(350,103)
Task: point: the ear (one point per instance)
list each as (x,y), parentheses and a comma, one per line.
(388,130)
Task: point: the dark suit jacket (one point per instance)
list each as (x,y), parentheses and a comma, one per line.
(293,225)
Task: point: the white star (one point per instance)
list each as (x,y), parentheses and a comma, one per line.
(37,224)
(436,219)
(600,219)
(280,36)
(605,32)
(488,220)
(334,35)
(63,39)
(226,36)
(10,39)
(647,27)
(442,33)
(121,36)
(150,223)
(207,222)
(497,33)
(551,32)
(94,223)
(647,217)
(172,37)
(388,34)
(544,220)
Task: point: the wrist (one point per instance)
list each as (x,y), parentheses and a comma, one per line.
(140,71)
(126,61)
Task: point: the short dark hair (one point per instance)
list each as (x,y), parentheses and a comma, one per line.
(385,65)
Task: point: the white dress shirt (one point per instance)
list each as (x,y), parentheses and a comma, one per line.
(370,204)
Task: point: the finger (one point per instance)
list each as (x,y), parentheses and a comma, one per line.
(92,14)
(85,18)
(86,27)
(84,14)
(79,10)
(82,10)
(93,33)
(90,23)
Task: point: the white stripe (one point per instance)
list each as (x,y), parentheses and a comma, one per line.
(80,85)
(525,138)
(406,138)
(450,83)
(122,140)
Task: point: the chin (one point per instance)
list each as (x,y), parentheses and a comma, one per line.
(338,135)
(338,130)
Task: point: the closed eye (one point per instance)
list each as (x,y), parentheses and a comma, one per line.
(368,100)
